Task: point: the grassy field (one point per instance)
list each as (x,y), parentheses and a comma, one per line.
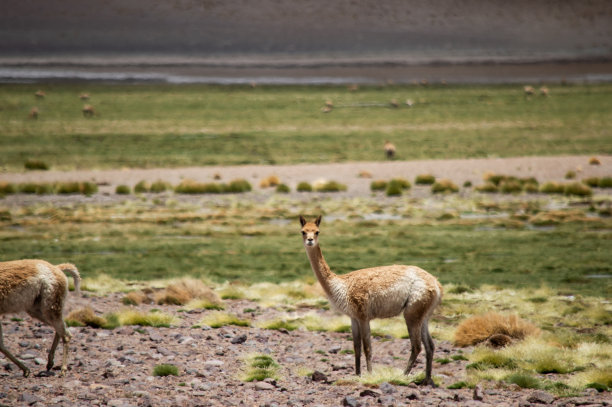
(250,243)
(170,126)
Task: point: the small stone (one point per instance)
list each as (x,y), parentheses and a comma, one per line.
(213,363)
(29,398)
(239,339)
(27,356)
(387,388)
(387,401)
(264,386)
(319,376)
(541,397)
(155,337)
(369,393)
(39,361)
(412,395)
(477,394)
(164,351)
(350,402)
(335,349)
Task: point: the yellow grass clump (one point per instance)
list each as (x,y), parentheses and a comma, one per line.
(185,290)
(270,181)
(479,328)
(85,317)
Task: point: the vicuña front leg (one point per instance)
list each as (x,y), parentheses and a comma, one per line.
(356,332)
(364,327)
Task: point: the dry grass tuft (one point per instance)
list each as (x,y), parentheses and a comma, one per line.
(480,328)
(85,317)
(136,298)
(270,181)
(185,290)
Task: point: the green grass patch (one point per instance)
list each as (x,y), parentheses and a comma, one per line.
(165,370)
(218,319)
(161,125)
(260,367)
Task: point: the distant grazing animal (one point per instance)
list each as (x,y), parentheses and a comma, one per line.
(38,288)
(84,96)
(378,292)
(326,109)
(88,111)
(544,91)
(40,94)
(529,90)
(389,150)
(33,113)
(394,103)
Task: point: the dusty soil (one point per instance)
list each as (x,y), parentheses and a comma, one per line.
(113,367)
(457,170)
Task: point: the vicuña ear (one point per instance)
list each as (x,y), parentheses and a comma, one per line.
(318,220)
(302,220)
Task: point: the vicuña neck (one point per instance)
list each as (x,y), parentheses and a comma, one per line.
(320,268)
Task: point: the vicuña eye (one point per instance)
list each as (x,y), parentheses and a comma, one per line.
(317,233)
(303,233)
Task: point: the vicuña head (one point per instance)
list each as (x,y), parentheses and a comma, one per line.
(378,292)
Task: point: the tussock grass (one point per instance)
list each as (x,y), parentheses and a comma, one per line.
(282,189)
(270,181)
(165,370)
(278,324)
(123,190)
(185,290)
(304,186)
(32,164)
(85,317)
(444,186)
(382,374)
(328,186)
(260,367)
(378,185)
(204,303)
(160,186)
(193,187)
(218,319)
(479,328)
(424,179)
(133,317)
(136,298)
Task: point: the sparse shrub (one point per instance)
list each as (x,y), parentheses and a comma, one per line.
(458,385)
(524,381)
(570,174)
(122,190)
(136,298)
(605,182)
(142,187)
(444,186)
(552,188)
(35,188)
(260,367)
(165,370)
(594,161)
(8,188)
(88,188)
(185,290)
(283,189)
(329,186)
(304,187)
(479,328)
(270,181)
(68,188)
(379,185)
(467,184)
(487,187)
(238,185)
(402,182)
(132,317)
(510,187)
(577,188)
(219,319)
(159,186)
(424,179)
(85,317)
(279,324)
(593,182)
(394,188)
(31,164)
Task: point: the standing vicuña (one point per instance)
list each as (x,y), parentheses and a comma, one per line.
(379,292)
(38,288)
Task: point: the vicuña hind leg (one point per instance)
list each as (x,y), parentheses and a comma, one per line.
(24,369)
(429,353)
(414,330)
(356,345)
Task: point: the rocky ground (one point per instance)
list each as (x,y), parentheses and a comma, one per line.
(114,367)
